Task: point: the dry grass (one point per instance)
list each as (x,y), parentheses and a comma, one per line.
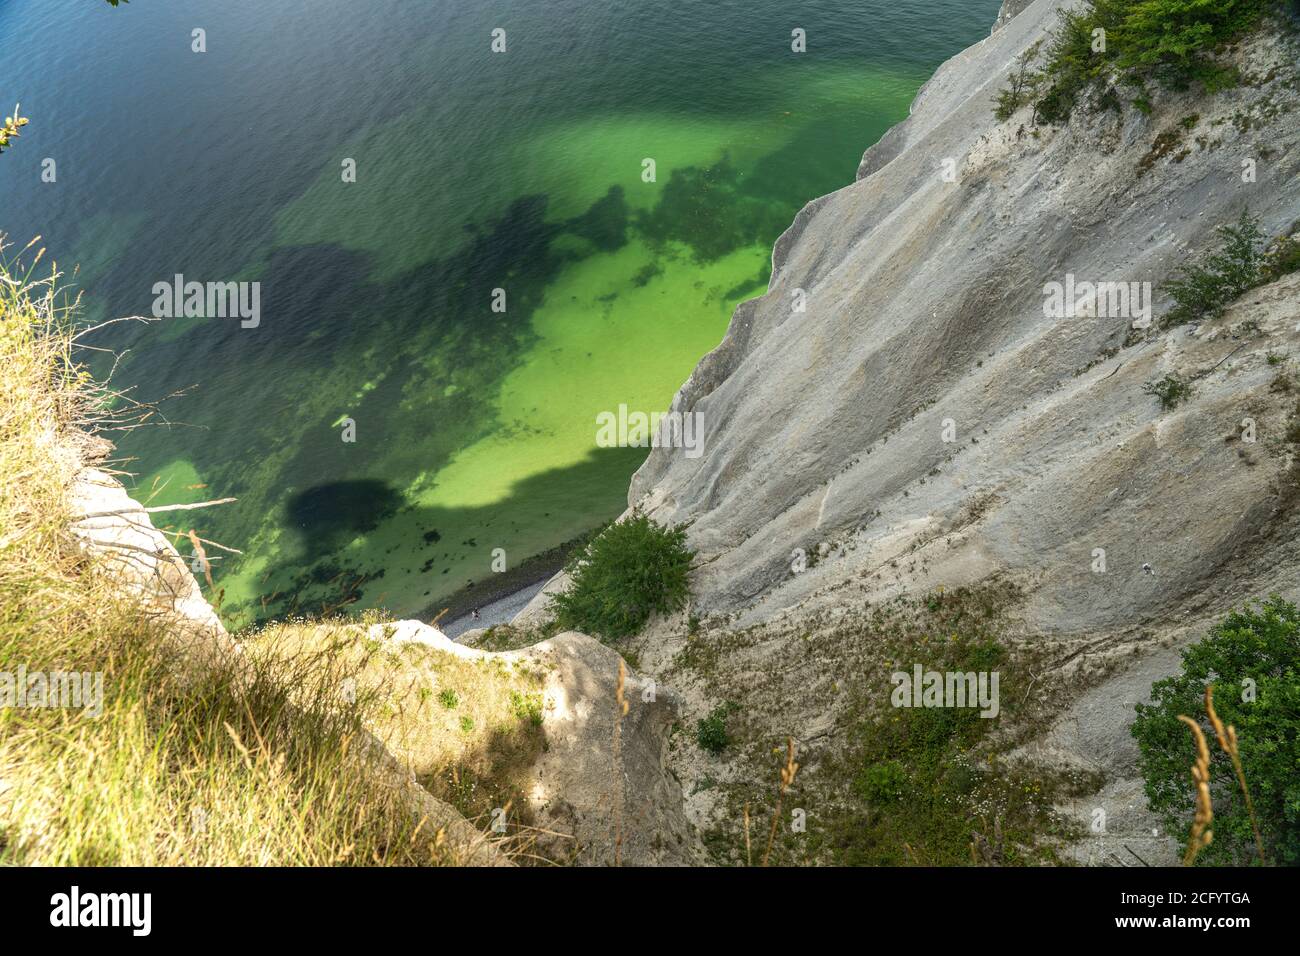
(1228,742)
(467,726)
(1201,835)
(787,780)
(251,768)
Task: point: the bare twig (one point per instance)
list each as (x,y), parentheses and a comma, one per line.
(1134,852)
(155,510)
(1226,357)
(125,318)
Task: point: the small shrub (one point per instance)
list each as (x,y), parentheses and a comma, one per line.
(1253,659)
(1202,290)
(1071,67)
(1171,390)
(1282,258)
(881,783)
(633,569)
(526,707)
(1021,84)
(449,699)
(711,731)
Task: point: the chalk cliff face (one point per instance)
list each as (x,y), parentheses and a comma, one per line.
(922,409)
(901,413)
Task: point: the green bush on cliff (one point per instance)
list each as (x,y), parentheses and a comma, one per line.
(1201,290)
(1131,42)
(1252,657)
(711,731)
(633,569)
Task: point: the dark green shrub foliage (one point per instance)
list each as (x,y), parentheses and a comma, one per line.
(1260,645)
(1168,41)
(633,569)
(1201,290)
(1171,38)
(1071,67)
(711,732)
(1171,390)
(881,783)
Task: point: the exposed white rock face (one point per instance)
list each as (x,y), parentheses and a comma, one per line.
(113,525)
(603,779)
(601,785)
(117,529)
(923,408)
(923,421)
(537,611)
(1009,9)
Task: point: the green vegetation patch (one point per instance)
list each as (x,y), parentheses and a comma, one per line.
(469,728)
(925,786)
(1252,657)
(892,785)
(711,731)
(634,569)
(1111,45)
(1170,390)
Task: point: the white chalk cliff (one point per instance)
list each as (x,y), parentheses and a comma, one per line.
(923,423)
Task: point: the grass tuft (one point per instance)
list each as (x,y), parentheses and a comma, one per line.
(254,762)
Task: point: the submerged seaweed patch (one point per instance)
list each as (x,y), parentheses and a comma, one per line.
(705,208)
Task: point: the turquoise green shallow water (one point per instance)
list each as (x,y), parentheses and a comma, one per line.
(475,429)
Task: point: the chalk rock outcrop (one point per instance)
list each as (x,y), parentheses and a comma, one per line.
(600,785)
(110,523)
(116,529)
